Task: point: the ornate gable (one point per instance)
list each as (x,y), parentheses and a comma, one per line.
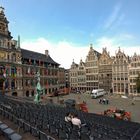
(91,54)
(105,58)
(4,32)
(120,58)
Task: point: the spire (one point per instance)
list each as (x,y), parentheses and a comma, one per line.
(73,62)
(1,9)
(91,46)
(4,25)
(119,49)
(18,45)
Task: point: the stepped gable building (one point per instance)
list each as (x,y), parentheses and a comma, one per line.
(81,77)
(105,71)
(18,67)
(134,72)
(92,69)
(120,82)
(73,76)
(10,59)
(116,74)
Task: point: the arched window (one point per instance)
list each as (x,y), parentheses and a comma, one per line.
(13,57)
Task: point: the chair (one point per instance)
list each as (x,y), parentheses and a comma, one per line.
(62,134)
(10,117)
(74,135)
(84,136)
(26,127)
(45,126)
(1,110)
(76,128)
(95,134)
(43,136)
(53,130)
(51,138)
(15,119)
(34,131)
(84,129)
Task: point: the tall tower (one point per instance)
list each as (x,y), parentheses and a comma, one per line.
(4,32)
(10,60)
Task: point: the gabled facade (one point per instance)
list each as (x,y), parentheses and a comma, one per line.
(120,82)
(92,69)
(73,73)
(134,72)
(105,71)
(81,77)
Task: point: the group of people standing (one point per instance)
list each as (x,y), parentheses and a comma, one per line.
(73,118)
(104,101)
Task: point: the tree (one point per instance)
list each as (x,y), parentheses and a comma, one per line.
(138,83)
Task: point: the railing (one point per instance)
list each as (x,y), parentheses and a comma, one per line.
(10,61)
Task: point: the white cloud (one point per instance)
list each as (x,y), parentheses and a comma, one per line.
(109,43)
(114,17)
(112,45)
(126,36)
(64,52)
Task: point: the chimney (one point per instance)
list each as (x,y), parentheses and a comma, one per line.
(46,53)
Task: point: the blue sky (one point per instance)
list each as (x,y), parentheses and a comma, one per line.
(71,25)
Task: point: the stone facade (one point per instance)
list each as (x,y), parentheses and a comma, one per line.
(134,72)
(10,59)
(116,74)
(92,69)
(73,73)
(120,82)
(81,77)
(105,71)
(18,67)
(61,80)
(33,62)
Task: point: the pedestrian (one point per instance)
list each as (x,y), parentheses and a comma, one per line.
(107,101)
(99,101)
(76,121)
(104,100)
(133,101)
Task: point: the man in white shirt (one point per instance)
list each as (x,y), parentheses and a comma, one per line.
(76,121)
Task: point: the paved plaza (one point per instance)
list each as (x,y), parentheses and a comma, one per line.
(93,106)
(114,102)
